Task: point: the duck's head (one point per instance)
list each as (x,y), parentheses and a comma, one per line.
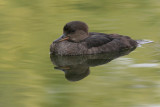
(74,31)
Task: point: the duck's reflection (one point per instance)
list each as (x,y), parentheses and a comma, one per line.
(77,67)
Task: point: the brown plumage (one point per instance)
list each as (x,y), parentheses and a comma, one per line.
(77,41)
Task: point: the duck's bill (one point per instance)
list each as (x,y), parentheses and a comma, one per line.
(66,38)
(62,38)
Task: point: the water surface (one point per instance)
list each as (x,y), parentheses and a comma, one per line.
(28,77)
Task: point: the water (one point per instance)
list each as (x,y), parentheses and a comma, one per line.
(29,79)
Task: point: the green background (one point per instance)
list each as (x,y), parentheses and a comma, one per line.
(28,77)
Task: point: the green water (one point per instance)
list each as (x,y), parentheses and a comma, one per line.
(28,77)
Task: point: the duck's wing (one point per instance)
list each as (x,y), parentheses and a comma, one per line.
(97,39)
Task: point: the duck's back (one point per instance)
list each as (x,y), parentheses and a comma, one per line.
(94,44)
(107,43)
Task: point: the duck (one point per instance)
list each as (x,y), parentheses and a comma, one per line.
(77,40)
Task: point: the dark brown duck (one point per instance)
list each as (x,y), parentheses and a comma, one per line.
(76,40)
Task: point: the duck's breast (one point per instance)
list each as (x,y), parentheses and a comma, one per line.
(68,48)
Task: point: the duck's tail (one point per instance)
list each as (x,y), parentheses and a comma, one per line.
(144,41)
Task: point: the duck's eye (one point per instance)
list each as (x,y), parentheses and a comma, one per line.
(70,31)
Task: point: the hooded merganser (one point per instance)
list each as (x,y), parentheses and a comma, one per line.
(76,40)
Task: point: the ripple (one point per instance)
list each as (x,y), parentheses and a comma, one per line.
(144,41)
(148,65)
